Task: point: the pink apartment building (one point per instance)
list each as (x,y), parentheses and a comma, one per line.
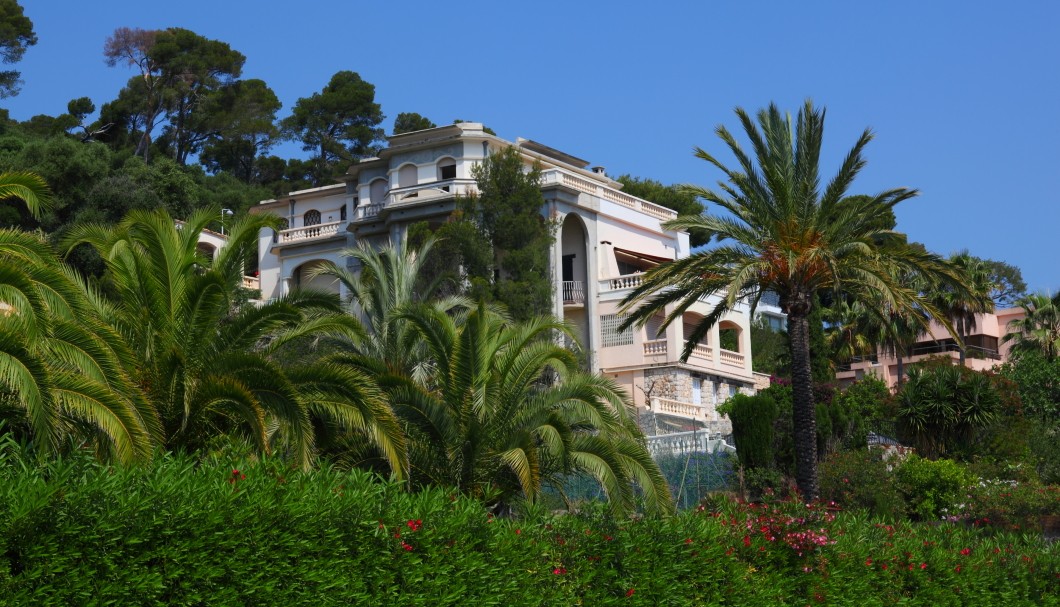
(983,349)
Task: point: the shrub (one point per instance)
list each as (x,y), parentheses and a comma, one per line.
(752,428)
(932,488)
(943,407)
(1011,505)
(178,532)
(860,479)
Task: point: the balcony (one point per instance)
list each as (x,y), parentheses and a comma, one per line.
(573,293)
(588,186)
(732,359)
(682,410)
(426,192)
(252,283)
(655,347)
(684,443)
(318,232)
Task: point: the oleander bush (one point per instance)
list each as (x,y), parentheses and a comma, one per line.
(186,532)
(860,479)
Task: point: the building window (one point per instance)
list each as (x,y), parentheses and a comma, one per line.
(408,175)
(342,212)
(611,336)
(311,218)
(733,390)
(446,169)
(377,191)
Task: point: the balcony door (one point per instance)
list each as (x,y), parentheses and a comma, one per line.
(697,391)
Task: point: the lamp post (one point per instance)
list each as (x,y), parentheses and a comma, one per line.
(224,212)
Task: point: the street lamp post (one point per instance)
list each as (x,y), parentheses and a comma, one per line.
(224,212)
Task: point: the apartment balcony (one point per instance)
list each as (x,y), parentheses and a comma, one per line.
(573,293)
(252,283)
(684,443)
(314,233)
(412,195)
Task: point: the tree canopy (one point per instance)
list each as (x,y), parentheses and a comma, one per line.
(16,35)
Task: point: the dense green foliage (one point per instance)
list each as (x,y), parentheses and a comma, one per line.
(860,479)
(177,533)
(932,488)
(943,407)
(407,122)
(498,242)
(752,428)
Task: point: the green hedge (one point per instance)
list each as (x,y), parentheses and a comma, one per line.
(181,533)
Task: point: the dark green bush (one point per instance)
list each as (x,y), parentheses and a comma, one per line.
(860,479)
(178,532)
(752,428)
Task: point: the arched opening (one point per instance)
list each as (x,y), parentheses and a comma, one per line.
(208,250)
(311,218)
(408,175)
(690,321)
(446,169)
(730,335)
(574,269)
(377,191)
(305,278)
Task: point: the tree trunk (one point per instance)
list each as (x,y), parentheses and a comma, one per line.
(803,411)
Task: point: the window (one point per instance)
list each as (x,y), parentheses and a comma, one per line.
(408,175)
(446,169)
(342,212)
(653,328)
(610,334)
(733,390)
(377,191)
(311,218)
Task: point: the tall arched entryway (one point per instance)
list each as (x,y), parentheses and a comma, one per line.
(574,272)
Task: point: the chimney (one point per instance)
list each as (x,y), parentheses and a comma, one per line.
(599,170)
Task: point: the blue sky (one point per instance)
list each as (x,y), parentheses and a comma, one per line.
(964,97)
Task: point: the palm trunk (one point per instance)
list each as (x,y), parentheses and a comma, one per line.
(804,414)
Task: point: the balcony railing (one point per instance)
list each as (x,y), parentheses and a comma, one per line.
(573,292)
(251,282)
(704,351)
(367,211)
(683,443)
(619,283)
(414,193)
(313,232)
(947,347)
(655,347)
(733,359)
(560,177)
(676,408)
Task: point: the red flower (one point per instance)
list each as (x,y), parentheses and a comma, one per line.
(559,571)
(868,562)
(688,540)
(884,567)
(747,540)
(966,551)
(414,524)
(957,568)
(629,592)
(407,547)
(923,565)
(518,532)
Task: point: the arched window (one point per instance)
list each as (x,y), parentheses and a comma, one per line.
(446,169)
(311,218)
(377,191)
(408,175)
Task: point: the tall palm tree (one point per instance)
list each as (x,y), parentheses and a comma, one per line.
(1039,329)
(207,368)
(784,234)
(507,411)
(29,187)
(65,371)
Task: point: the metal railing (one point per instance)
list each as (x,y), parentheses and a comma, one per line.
(573,292)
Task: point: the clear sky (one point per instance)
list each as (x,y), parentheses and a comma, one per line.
(964,97)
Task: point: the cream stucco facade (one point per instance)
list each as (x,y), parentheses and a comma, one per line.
(604,239)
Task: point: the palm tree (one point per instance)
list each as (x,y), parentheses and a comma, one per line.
(1039,329)
(208,369)
(64,369)
(963,300)
(787,236)
(389,280)
(506,412)
(29,187)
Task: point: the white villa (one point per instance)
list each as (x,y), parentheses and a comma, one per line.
(605,239)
